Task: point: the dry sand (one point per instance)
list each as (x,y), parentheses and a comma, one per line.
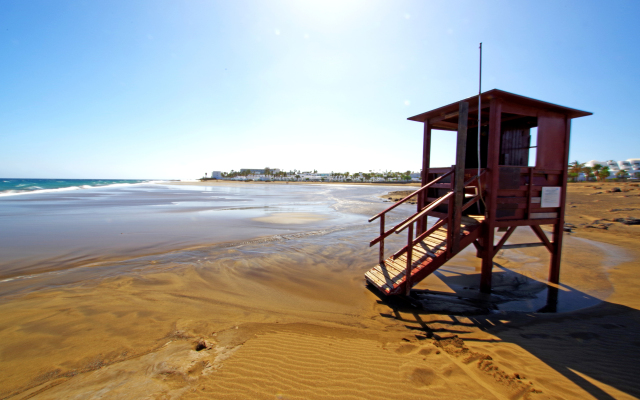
(299,324)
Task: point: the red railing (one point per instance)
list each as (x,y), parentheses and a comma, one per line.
(383,233)
(422,214)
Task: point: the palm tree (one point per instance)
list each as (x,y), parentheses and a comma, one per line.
(604,173)
(622,174)
(588,173)
(575,168)
(596,170)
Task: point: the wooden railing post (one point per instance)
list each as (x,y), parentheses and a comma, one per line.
(426,156)
(491,199)
(381,256)
(407,275)
(529,192)
(457,184)
(449,225)
(420,228)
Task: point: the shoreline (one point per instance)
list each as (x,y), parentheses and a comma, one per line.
(218,182)
(73,188)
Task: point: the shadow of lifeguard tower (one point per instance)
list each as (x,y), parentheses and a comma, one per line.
(491,187)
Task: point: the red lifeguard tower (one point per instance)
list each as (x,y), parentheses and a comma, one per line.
(472,199)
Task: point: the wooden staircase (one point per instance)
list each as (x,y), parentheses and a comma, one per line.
(430,248)
(427,256)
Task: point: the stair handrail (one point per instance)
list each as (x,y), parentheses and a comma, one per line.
(433,228)
(387,233)
(423,212)
(408,222)
(403,225)
(438,224)
(411,195)
(421,237)
(426,209)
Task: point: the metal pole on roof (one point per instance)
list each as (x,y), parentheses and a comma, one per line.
(479,107)
(479,121)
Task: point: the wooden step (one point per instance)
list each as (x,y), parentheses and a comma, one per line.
(427,256)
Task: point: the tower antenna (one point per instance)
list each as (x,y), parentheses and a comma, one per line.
(479,107)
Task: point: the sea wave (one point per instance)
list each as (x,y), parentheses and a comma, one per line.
(37,189)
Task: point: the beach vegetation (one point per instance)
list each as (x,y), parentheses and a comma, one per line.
(622,174)
(596,170)
(604,173)
(269,174)
(588,173)
(575,168)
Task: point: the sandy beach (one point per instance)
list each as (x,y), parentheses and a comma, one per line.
(290,317)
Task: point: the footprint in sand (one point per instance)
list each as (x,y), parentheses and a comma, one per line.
(406,348)
(425,376)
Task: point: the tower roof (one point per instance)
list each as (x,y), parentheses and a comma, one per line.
(512,103)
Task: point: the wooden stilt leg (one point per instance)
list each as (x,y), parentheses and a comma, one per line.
(554,267)
(487,261)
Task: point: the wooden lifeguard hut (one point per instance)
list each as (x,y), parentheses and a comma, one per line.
(491,187)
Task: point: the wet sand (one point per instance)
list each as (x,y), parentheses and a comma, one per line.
(224,182)
(290,218)
(290,318)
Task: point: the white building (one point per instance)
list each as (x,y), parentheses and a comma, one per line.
(635,162)
(216,175)
(632,166)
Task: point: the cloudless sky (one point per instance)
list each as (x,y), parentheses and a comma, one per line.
(174,89)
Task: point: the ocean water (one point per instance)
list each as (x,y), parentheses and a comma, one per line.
(9,186)
(56,238)
(51,231)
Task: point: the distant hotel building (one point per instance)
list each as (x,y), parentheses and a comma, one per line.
(216,175)
(259,171)
(632,166)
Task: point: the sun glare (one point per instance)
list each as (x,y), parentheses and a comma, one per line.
(328,10)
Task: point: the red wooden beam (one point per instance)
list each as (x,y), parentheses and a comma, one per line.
(458,183)
(426,162)
(407,274)
(543,238)
(493,157)
(504,239)
(381,254)
(525,222)
(558,228)
(529,192)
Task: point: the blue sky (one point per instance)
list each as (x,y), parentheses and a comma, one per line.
(173,89)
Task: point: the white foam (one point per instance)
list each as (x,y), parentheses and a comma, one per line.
(15,192)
